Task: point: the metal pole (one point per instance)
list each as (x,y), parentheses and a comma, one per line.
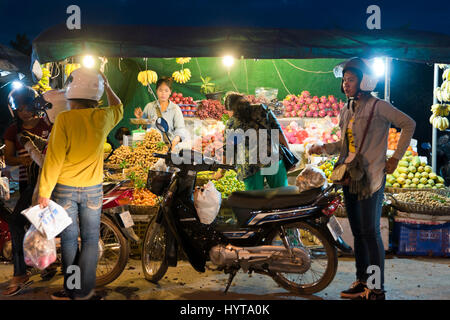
(434,138)
(387,79)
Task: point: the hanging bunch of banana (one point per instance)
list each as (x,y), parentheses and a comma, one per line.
(182,60)
(147,77)
(442,110)
(70,67)
(182,76)
(44,84)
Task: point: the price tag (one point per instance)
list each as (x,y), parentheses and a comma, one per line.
(127,219)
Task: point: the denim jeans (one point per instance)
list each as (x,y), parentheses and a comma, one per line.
(364,218)
(84,206)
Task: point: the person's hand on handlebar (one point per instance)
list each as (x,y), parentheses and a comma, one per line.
(316,149)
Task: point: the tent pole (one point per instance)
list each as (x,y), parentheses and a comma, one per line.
(387,79)
(434,138)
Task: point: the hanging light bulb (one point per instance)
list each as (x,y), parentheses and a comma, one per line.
(378,66)
(88,61)
(228,61)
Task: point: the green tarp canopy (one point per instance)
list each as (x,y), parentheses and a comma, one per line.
(290,60)
(58,43)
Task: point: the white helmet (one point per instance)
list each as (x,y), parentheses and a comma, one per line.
(58,101)
(368,80)
(86,84)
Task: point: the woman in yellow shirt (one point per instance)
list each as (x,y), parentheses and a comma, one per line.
(72,173)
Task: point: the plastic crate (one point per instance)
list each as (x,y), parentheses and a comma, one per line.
(140,226)
(421,237)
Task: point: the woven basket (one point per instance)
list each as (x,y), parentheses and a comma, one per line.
(421,208)
(402,190)
(108,165)
(143,210)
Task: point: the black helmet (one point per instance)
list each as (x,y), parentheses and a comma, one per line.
(23,96)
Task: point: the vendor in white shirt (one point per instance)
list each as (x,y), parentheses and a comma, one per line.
(169,111)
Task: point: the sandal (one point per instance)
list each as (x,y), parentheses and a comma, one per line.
(18,284)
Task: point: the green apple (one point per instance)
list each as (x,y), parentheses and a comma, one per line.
(423,180)
(431,182)
(418,175)
(415,180)
(406,185)
(421,186)
(424,175)
(423,164)
(440,179)
(413,185)
(420,169)
(428,169)
(432,175)
(410,175)
(408,181)
(401,180)
(404,175)
(412,169)
(396,185)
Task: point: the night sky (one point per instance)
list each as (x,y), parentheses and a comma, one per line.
(32,17)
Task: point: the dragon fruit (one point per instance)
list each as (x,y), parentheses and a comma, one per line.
(336,113)
(341,105)
(313,107)
(330,113)
(308,101)
(332,99)
(301,100)
(316,99)
(301,114)
(335,106)
(305,94)
(309,114)
(323,99)
(328,105)
(288,108)
(315,114)
(322,113)
(321,106)
(305,107)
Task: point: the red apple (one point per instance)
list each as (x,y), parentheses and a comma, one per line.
(174,95)
(180,95)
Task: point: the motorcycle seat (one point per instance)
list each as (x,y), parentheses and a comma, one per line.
(268,199)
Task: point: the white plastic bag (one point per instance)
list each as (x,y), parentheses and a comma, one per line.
(310,178)
(39,252)
(50,221)
(4,188)
(207,201)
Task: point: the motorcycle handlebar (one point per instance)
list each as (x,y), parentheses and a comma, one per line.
(213,166)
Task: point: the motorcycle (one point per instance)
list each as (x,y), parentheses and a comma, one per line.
(115,231)
(289,236)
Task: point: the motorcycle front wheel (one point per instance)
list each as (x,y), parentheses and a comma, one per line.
(153,257)
(323,255)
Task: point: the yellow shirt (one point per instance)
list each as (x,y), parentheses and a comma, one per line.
(351,139)
(75,148)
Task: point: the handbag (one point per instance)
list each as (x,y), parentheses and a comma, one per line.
(340,174)
(289,158)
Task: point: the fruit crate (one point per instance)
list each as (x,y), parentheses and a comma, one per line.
(419,207)
(140,226)
(421,237)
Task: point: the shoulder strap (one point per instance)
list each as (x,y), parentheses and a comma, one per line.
(158,110)
(368,125)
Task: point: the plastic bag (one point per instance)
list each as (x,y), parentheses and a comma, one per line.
(4,188)
(160,165)
(50,221)
(39,252)
(310,178)
(207,201)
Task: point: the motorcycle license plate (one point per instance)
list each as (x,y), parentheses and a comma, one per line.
(335,228)
(127,219)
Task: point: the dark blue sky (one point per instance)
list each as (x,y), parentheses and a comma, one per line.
(32,17)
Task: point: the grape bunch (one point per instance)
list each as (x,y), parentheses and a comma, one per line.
(211,109)
(229,184)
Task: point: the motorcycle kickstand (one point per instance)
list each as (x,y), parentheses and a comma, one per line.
(230,280)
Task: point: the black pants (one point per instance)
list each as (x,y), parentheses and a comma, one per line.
(18,223)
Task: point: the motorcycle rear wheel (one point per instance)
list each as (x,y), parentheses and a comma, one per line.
(116,251)
(319,247)
(153,257)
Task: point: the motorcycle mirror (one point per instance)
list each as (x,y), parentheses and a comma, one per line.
(162,125)
(426,146)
